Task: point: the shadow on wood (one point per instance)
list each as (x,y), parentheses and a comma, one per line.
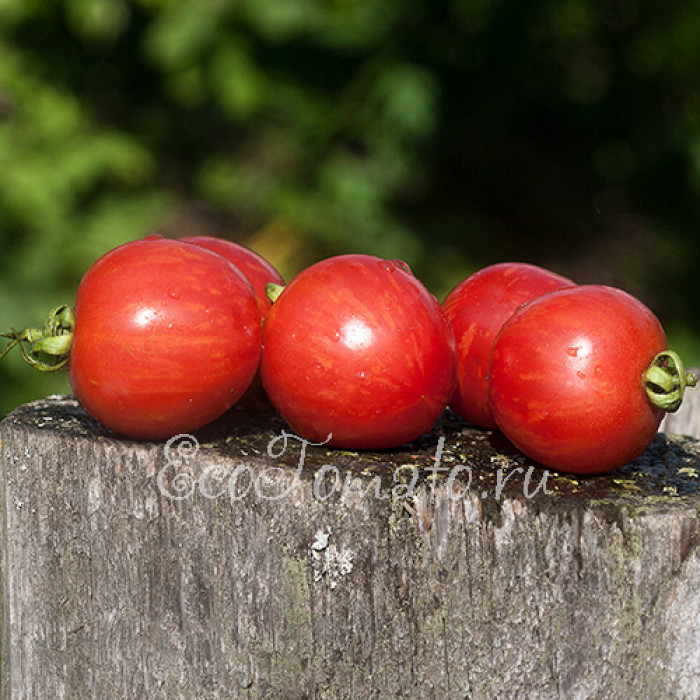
(246,564)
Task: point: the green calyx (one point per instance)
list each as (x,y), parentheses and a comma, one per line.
(665,381)
(273,290)
(46,349)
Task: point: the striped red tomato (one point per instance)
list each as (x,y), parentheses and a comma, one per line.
(477,308)
(574,378)
(167,336)
(357,349)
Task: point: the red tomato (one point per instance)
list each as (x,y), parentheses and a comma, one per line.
(167,337)
(258,270)
(477,308)
(566,378)
(356,347)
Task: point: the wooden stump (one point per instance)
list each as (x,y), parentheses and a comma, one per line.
(686,421)
(252,565)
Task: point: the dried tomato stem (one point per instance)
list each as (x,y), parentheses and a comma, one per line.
(46,349)
(666,379)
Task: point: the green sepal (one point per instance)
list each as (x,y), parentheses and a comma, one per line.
(52,341)
(273,290)
(665,381)
(56,345)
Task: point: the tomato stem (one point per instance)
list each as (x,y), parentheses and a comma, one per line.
(273,290)
(46,349)
(666,379)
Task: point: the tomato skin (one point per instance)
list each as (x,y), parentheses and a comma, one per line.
(566,378)
(167,337)
(258,270)
(356,347)
(477,308)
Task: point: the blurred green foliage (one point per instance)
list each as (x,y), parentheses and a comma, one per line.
(452,134)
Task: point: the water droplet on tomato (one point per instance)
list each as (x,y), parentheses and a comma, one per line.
(580,375)
(403,265)
(174,293)
(572,352)
(395,265)
(598,371)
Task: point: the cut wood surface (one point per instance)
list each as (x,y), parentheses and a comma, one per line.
(247,564)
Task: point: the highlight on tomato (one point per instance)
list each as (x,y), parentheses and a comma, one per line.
(358,354)
(165,336)
(259,271)
(477,308)
(580,378)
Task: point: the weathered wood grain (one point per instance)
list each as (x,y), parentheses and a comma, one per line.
(343,579)
(686,421)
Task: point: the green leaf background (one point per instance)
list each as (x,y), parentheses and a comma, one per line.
(451,134)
